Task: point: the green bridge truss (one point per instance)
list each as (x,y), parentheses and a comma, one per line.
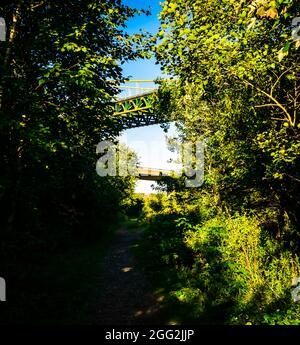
(138,110)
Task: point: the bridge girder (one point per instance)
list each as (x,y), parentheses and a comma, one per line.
(138,110)
(152,174)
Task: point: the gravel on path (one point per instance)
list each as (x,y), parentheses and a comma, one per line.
(126,296)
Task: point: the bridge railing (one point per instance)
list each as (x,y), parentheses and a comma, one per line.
(135,87)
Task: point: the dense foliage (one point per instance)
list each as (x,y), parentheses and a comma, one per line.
(228,250)
(234,242)
(56,72)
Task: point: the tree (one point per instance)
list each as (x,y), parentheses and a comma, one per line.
(233,241)
(59,71)
(237,89)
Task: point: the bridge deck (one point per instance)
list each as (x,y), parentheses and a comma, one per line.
(120,100)
(151,174)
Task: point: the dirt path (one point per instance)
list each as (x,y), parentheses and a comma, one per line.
(126,297)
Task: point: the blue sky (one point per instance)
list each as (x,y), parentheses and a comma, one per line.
(143,69)
(149,23)
(148,142)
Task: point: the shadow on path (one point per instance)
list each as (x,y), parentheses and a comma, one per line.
(126,296)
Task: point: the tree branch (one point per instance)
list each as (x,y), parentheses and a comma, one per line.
(288,116)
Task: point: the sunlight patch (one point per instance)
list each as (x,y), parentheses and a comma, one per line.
(126,269)
(138,313)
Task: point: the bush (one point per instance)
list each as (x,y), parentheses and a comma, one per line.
(227,268)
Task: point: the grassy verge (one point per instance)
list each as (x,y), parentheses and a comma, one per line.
(161,278)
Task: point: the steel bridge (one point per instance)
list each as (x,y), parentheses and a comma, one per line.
(151,174)
(138,108)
